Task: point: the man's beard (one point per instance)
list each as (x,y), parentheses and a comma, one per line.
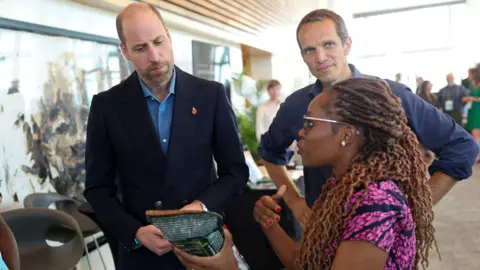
(162,77)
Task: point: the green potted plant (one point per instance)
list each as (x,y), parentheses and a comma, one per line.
(247,120)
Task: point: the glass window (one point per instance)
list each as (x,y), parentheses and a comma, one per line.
(358,33)
(45,93)
(413,43)
(416,30)
(381,34)
(425,29)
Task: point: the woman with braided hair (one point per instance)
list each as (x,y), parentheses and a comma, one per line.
(375,212)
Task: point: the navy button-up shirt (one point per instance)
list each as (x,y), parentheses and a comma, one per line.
(161,112)
(455,149)
(451,94)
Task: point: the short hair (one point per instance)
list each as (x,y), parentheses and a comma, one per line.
(321,15)
(119,20)
(273,83)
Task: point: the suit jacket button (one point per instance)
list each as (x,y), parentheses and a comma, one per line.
(159,205)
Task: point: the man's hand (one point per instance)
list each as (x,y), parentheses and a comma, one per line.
(152,238)
(300,210)
(222,260)
(196,205)
(266,209)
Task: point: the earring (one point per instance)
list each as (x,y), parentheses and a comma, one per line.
(343,143)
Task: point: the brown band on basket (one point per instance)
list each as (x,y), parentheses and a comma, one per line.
(156,213)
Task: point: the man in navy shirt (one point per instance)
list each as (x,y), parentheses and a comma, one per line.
(324,43)
(450,99)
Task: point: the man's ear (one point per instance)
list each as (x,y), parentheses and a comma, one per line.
(168,35)
(125,51)
(347,46)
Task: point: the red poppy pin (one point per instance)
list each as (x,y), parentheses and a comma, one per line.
(194,111)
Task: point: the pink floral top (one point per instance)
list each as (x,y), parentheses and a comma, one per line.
(384,219)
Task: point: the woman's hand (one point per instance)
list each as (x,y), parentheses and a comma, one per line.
(266,209)
(467,99)
(222,260)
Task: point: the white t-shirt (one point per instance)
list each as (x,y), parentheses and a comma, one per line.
(265,114)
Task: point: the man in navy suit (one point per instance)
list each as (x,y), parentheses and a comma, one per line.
(159,130)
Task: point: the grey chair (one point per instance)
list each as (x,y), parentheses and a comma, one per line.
(115,247)
(32,227)
(70,206)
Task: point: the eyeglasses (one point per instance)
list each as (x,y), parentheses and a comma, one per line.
(308,122)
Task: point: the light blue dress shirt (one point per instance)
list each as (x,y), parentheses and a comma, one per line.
(3,266)
(161,112)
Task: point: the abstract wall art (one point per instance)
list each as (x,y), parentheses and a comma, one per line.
(46,86)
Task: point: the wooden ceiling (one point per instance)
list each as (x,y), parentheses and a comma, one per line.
(250,16)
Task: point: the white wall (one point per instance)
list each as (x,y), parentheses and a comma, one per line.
(287,65)
(261,67)
(292,73)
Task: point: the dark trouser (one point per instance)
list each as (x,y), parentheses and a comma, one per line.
(143,258)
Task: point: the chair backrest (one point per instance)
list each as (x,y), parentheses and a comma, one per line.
(44,200)
(64,204)
(33,226)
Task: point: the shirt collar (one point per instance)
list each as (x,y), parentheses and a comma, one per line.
(317,87)
(148,93)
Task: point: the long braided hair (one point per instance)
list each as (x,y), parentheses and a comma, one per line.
(390,151)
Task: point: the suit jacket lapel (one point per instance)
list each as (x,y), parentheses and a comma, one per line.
(137,119)
(182,118)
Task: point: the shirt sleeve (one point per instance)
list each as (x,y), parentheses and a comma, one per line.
(375,219)
(455,149)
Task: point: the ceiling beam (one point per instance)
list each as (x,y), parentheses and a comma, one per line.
(269,14)
(175,9)
(231,14)
(240,9)
(205,12)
